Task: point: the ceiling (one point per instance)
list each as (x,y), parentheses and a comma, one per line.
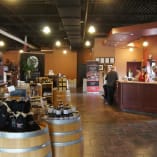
(68,19)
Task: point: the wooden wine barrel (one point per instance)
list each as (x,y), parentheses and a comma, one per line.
(66,137)
(26,144)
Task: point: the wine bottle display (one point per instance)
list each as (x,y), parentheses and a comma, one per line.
(62,111)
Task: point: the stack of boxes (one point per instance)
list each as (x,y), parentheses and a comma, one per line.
(62,83)
(59,94)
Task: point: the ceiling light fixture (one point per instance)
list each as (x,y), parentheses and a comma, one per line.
(91,29)
(64,51)
(87,43)
(46,30)
(58,43)
(131,49)
(131,44)
(145,44)
(2,43)
(21,51)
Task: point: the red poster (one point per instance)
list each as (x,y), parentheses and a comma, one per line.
(92,76)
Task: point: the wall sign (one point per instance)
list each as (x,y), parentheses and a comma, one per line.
(112,60)
(107,60)
(92,76)
(32,65)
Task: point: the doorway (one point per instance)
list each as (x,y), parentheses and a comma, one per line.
(132,66)
(81,74)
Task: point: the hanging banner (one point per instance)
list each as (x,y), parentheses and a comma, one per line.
(31,65)
(92,76)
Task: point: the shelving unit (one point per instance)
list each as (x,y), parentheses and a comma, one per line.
(2,90)
(46,90)
(62,84)
(34,90)
(9,78)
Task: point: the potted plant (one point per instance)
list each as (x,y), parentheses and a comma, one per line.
(27,70)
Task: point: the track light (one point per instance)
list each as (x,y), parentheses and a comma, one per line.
(2,43)
(46,30)
(91,29)
(87,43)
(58,43)
(145,44)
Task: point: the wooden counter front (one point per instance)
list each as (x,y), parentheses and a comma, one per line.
(137,96)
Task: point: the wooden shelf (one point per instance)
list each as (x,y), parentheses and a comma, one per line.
(46,88)
(46,83)
(47,96)
(35,97)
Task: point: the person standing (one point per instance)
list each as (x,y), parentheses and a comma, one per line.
(107,69)
(144,77)
(111,79)
(138,73)
(154,69)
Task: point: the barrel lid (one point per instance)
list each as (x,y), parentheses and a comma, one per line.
(52,120)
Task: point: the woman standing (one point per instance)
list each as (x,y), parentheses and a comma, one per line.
(143,77)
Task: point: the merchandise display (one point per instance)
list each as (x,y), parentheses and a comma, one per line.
(26,144)
(42,108)
(62,111)
(59,96)
(65,129)
(15,116)
(62,83)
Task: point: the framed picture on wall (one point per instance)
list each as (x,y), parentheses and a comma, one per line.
(112,60)
(107,60)
(97,59)
(102,60)
(33,62)
(101,67)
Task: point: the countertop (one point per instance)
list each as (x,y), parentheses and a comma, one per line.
(138,82)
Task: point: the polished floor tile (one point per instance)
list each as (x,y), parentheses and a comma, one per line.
(108,132)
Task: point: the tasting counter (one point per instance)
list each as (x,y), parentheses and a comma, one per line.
(138,97)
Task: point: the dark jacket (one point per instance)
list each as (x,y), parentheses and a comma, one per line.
(111,78)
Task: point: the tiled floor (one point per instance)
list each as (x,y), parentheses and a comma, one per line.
(109,132)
